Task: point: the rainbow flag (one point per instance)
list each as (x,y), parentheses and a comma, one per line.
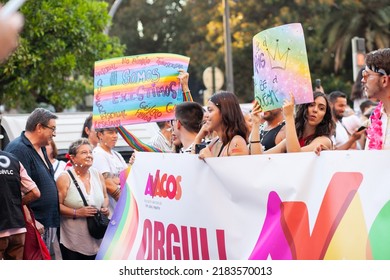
(122,230)
(137,89)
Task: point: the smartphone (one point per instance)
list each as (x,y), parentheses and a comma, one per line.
(199,147)
(318,83)
(10,7)
(361,128)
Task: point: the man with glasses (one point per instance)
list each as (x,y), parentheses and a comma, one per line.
(376,85)
(30,149)
(162,139)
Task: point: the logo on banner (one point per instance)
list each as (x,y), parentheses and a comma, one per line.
(164,186)
(287,222)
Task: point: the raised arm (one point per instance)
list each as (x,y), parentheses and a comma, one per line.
(183,78)
(254,138)
(292,142)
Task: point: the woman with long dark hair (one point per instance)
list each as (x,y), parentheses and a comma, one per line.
(224,117)
(312,127)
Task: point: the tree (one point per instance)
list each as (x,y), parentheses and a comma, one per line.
(147,26)
(54,63)
(369,19)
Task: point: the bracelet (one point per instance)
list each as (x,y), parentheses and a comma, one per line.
(116,192)
(74,214)
(254,142)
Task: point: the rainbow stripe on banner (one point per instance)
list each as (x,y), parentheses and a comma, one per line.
(121,232)
(137,89)
(281,67)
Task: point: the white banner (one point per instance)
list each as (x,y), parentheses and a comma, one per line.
(282,206)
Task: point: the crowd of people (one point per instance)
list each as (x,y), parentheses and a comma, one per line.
(52,189)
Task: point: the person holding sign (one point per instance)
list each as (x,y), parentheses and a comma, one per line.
(224,116)
(272,131)
(312,127)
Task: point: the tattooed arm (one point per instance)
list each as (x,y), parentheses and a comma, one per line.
(112,185)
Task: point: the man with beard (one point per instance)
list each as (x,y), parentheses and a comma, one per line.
(342,139)
(376,86)
(272,131)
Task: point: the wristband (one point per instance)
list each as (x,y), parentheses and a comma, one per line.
(254,142)
(116,192)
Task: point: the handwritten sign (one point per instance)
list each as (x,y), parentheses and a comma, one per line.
(281,67)
(137,89)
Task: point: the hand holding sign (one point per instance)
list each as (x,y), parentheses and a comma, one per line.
(288,107)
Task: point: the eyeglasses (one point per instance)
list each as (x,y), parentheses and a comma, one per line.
(49,127)
(376,69)
(171,121)
(373,70)
(366,74)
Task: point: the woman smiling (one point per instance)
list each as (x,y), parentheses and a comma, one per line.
(224,117)
(75,241)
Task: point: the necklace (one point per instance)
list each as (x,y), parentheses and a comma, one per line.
(374,131)
(264,132)
(84,176)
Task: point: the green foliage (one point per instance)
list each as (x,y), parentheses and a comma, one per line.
(152,26)
(369,19)
(54,63)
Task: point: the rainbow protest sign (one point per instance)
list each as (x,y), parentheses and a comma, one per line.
(281,67)
(137,89)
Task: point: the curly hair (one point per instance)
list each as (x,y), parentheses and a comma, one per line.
(233,121)
(379,59)
(325,128)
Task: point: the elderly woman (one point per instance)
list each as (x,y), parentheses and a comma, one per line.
(75,241)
